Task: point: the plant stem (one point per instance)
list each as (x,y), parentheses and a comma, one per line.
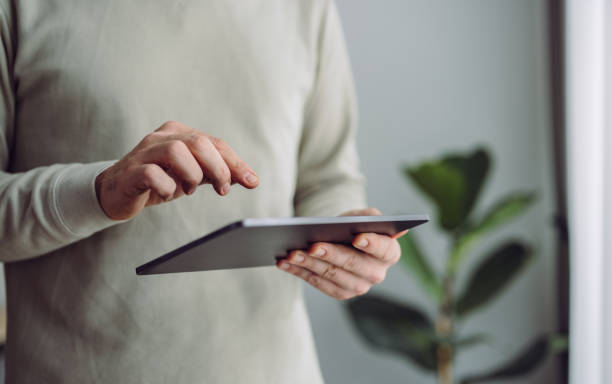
(444,330)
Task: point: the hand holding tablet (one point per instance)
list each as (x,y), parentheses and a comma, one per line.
(345,271)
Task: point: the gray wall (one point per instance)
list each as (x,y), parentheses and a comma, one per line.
(432,77)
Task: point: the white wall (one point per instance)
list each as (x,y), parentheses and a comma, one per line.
(589,136)
(438,76)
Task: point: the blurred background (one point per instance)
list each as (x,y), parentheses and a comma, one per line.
(439,77)
(512,77)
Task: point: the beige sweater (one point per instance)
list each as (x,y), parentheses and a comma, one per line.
(81,82)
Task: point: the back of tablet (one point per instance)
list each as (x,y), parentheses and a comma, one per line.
(261,241)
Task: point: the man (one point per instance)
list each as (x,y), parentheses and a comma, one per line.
(267,85)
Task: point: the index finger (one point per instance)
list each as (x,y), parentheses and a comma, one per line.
(241,173)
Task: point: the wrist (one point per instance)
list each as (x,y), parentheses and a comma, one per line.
(75,199)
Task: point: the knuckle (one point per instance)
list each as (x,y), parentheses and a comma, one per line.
(236,164)
(298,272)
(351,263)
(149,172)
(175,148)
(223,174)
(330,272)
(199,141)
(150,138)
(195,176)
(313,280)
(219,143)
(192,181)
(170,125)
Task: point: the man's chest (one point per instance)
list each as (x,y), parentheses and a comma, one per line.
(94,77)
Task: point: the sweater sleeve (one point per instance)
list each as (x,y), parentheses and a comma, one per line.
(329,181)
(44,208)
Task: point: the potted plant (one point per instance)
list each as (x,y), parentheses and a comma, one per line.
(453,184)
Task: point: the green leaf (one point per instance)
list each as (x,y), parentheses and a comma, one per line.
(502,212)
(506,209)
(452,184)
(493,275)
(395,327)
(524,362)
(415,261)
(445,187)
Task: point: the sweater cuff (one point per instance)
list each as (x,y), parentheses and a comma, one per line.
(75,201)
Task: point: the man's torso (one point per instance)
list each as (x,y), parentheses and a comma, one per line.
(93,78)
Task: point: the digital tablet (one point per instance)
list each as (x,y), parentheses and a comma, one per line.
(262,241)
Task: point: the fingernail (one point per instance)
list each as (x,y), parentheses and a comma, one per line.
(284,265)
(298,258)
(250,178)
(362,243)
(319,252)
(225,189)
